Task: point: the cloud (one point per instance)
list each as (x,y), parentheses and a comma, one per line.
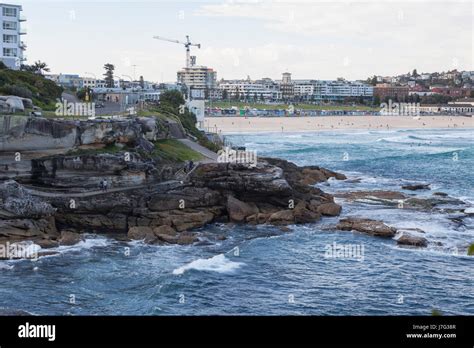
(354,38)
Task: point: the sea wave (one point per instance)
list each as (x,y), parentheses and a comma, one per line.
(218,263)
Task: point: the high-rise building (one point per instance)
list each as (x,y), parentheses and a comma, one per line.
(12,45)
(198,78)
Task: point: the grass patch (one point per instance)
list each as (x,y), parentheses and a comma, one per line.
(25,84)
(173,150)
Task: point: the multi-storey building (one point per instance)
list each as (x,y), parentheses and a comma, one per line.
(385,91)
(12,45)
(245,89)
(287,87)
(198,77)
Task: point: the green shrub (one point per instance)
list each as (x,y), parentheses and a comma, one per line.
(19,91)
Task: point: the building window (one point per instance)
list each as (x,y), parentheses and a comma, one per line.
(10,39)
(9,12)
(9,25)
(9,52)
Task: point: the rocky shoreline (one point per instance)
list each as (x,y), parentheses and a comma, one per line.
(55,199)
(214,192)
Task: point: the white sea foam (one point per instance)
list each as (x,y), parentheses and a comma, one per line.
(5,266)
(218,263)
(87,243)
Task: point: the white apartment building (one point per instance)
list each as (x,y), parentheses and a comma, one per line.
(250,90)
(304,88)
(331,90)
(89,82)
(12,46)
(197,77)
(339,90)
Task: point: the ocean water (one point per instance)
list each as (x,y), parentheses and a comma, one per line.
(263,270)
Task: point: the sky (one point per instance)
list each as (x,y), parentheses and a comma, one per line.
(257,38)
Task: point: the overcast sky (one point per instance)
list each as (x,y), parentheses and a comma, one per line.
(310,39)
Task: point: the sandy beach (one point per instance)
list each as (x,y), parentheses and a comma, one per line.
(307,124)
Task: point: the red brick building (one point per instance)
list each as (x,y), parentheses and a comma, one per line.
(388,91)
(455,92)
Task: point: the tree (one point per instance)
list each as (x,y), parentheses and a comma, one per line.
(38,67)
(109,75)
(372,80)
(224,94)
(415,73)
(142,82)
(172,98)
(376,100)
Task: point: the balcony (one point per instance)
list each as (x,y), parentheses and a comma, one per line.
(22,18)
(23,45)
(23,31)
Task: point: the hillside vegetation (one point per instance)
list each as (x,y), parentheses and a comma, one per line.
(171,103)
(30,85)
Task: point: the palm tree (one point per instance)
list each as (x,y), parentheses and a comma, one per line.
(39,67)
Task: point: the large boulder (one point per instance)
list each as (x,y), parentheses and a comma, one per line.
(141,233)
(303,215)
(368,226)
(69,238)
(282,217)
(239,210)
(412,240)
(19,203)
(414,187)
(329,209)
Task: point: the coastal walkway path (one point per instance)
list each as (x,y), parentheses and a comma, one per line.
(155,186)
(210,155)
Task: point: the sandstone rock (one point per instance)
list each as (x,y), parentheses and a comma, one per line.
(414,187)
(47,243)
(187,238)
(282,217)
(371,227)
(69,238)
(164,230)
(412,240)
(167,238)
(19,229)
(377,194)
(329,209)
(257,219)
(140,232)
(304,215)
(239,210)
(186,220)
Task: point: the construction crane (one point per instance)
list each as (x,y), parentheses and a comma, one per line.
(186,44)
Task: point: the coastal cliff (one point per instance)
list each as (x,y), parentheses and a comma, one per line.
(169,211)
(152,193)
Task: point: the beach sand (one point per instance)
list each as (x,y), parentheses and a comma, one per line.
(308,124)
